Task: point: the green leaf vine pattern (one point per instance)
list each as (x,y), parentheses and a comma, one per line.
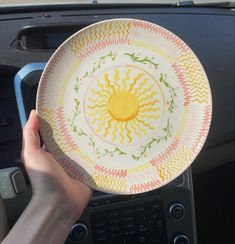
(105,152)
(76,85)
(75,113)
(149,145)
(146,60)
(75,110)
(97,65)
(172,92)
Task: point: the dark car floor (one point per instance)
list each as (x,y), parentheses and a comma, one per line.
(214,193)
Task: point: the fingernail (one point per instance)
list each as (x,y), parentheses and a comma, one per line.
(32,113)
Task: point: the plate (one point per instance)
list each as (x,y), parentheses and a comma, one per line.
(124,106)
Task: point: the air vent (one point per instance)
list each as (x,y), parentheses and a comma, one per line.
(44,37)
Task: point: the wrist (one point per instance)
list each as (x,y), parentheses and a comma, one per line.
(56,205)
(46,222)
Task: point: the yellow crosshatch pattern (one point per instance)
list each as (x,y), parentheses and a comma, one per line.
(96,33)
(196,78)
(124,103)
(108,182)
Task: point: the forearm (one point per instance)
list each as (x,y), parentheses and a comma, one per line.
(3,220)
(40,223)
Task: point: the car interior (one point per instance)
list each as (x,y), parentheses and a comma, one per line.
(196,207)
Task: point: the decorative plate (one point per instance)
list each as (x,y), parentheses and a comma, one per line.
(124,106)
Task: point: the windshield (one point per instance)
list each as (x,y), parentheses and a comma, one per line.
(8,3)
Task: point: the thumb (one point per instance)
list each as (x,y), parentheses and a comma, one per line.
(31,139)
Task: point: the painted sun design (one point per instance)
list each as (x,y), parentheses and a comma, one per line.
(124,104)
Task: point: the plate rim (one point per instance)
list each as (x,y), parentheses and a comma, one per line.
(194,155)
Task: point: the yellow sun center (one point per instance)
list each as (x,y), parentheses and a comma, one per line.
(123,106)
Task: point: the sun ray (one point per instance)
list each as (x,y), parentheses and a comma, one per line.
(94,120)
(151,109)
(144,123)
(97,112)
(139,126)
(102,86)
(106,78)
(104,121)
(103,113)
(107,128)
(116,78)
(128,133)
(127,77)
(121,133)
(146,90)
(98,93)
(148,116)
(148,103)
(114,133)
(138,88)
(97,100)
(135,130)
(97,106)
(146,97)
(135,81)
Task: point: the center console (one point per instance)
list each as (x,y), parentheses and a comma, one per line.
(165,215)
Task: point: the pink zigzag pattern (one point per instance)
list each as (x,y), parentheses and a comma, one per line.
(71,169)
(103,44)
(42,90)
(148,186)
(46,75)
(114,172)
(166,154)
(165,33)
(183,83)
(63,128)
(58,56)
(204,129)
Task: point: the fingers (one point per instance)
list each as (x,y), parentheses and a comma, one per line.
(44,148)
(31,139)
(33,121)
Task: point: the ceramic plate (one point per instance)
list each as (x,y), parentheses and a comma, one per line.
(124,106)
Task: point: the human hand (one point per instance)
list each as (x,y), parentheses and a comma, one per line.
(58,200)
(50,183)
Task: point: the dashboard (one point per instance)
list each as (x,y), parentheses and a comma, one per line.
(167,215)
